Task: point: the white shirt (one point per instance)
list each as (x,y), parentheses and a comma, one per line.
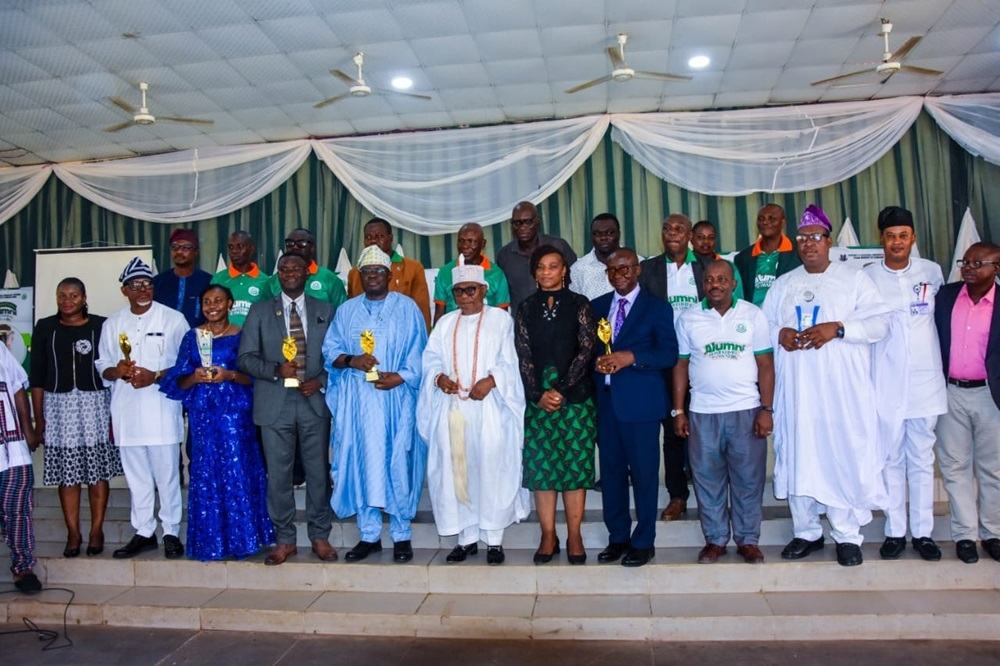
(721,349)
(682,291)
(589,276)
(13,378)
(143,417)
(910,292)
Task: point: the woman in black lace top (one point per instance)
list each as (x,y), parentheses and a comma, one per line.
(555,334)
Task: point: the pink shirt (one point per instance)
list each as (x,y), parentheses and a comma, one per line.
(970,330)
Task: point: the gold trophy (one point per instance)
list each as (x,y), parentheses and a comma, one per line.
(126,346)
(290,350)
(368,346)
(604,334)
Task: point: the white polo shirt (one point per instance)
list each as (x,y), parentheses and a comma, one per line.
(721,349)
(13,378)
(682,290)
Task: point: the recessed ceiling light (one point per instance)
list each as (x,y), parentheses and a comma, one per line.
(698,62)
(402,83)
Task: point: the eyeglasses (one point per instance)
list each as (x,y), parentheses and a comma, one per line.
(468,291)
(291,270)
(301,244)
(139,285)
(186,248)
(976,263)
(524,222)
(619,271)
(374,270)
(815,238)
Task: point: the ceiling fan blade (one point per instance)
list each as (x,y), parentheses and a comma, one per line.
(661,76)
(387,91)
(841,77)
(912,69)
(331,100)
(123,105)
(119,126)
(617,62)
(901,52)
(189,121)
(588,84)
(349,80)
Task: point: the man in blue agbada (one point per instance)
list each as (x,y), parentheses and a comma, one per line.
(377,458)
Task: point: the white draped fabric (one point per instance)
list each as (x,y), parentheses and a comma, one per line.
(18,185)
(968,235)
(434,182)
(973,121)
(779,149)
(188,185)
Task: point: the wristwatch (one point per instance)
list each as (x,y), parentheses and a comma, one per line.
(840,331)
(767,408)
(157,376)
(676,412)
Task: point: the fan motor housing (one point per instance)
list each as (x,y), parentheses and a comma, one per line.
(144,119)
(361,91)
(624,74)
(888,67)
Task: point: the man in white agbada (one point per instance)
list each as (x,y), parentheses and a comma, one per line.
(824,318)
(148,426)
(918,396)
(471,414)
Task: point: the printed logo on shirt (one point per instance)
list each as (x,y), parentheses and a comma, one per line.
(240,308)
(316,285)
(763,281)
(741,328)
(83,347)
(682,302)
(724,350)
(254,291)
(691,281)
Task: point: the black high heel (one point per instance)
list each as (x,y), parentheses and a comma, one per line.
(545,558)
(69,551)
(95,550)
(577,559)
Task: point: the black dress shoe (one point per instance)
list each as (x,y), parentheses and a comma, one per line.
(402,551)
(460,552)
(927,549)
(849,554)
(992,548)
(363,550)
(138,544)
(798,548)
(28,583)
(966,551)
(892,548)
(613,552)
(172,547)
(545,558)
(494,555)
(637,557)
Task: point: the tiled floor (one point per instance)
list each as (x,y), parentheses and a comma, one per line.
(109,646)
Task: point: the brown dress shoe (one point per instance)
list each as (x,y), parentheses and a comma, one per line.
(711,553)
(324,550)
(675,508)
(280,553)
(750,553)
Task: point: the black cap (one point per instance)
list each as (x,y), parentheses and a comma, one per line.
(894,216)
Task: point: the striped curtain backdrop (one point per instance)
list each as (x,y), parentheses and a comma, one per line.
(926,172)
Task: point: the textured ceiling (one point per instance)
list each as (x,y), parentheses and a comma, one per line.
(257,67)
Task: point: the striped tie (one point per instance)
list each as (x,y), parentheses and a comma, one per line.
(298,334)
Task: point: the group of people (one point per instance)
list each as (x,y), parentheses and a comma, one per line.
(506,386)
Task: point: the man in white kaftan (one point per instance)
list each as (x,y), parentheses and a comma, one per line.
(471,415)
(824,318)
(148,426)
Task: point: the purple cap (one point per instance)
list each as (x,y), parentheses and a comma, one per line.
(814,215)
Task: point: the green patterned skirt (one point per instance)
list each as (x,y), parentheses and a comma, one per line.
(559,447)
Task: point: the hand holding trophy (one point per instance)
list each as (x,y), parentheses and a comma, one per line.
(368,346)
(289,350)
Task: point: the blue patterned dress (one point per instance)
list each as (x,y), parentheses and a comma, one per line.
(227,497)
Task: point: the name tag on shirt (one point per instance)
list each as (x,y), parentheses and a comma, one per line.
(920,308)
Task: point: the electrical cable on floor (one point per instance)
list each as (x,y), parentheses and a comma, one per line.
(47,636)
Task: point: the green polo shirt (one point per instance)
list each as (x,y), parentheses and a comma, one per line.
(247,288)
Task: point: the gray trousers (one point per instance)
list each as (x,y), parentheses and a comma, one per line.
(298,422)
(968,447)
(728,464)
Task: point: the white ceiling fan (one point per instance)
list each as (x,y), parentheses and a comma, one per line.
(621,72)
(357,86)
(891,60)
(142,116)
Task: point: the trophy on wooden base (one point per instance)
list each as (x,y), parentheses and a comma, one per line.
(290,350)
(368,346)
(203,338)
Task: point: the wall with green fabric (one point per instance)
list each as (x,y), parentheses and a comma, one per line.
(926,172)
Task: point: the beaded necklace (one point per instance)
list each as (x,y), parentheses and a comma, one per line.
(463,393)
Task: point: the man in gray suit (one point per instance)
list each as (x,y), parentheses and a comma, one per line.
(289,405)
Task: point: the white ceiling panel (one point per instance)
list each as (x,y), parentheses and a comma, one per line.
(367,26)
(732,99)
(117,53)
(469,98)
(62,60)
(503,45)
(208,13)
(772,55)
(237,41)
(19,30)
(16,69)
(263,10)
(569,12)
(633,12)
(299,33)
(73,21)
(432,19)
(140,17)
(48,93)
(700,31)
(451,50)
(458,76)
(489,15)
(206,76)
(178,48)
(259,70)
(328,128)
(506,72)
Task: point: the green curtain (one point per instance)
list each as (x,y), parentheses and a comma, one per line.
(926,172)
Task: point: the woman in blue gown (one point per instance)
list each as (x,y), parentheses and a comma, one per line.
(227,509)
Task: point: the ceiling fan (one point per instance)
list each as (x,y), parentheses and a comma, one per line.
(358,87)
(142,116)
(621,72)
(891,61)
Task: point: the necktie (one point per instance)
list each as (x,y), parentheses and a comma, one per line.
(297,333)
(619,317)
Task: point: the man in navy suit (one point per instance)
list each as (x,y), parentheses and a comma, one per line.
(968,435)
(631,401)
